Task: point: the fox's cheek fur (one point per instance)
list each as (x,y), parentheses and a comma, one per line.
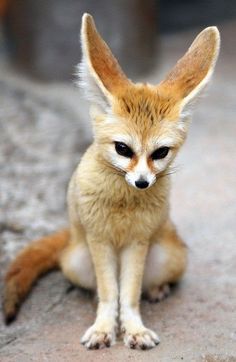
(138,169)
(119,162)
(135,169)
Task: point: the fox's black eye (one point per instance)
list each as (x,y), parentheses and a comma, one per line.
(123,150)
(161,152)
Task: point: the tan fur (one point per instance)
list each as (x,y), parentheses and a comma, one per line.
(122,241)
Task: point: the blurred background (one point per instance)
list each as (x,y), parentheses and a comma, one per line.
(45,128)
(41,37)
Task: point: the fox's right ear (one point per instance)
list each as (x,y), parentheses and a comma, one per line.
(100,75)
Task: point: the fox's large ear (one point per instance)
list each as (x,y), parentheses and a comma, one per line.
(100,75)
(192,72)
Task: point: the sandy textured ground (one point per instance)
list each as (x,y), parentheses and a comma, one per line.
(43,130)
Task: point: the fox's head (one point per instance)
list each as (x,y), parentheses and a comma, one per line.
(139,128)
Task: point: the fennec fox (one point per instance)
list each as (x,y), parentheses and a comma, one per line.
(121,241)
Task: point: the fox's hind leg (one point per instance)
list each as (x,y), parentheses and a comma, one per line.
(76,262)
(165,264)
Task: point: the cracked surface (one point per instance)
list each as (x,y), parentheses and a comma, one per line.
(43,130)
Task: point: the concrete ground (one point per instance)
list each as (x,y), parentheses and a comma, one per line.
(43,131)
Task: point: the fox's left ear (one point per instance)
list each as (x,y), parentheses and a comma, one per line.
(192,72)
(100,75)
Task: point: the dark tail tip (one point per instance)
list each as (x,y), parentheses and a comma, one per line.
(10,306)
(9,318)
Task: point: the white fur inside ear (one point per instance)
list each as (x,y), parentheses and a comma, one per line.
(89,86)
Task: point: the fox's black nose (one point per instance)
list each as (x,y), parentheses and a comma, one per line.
(141,184)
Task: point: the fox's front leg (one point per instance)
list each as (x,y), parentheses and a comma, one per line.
(102,332)
(136,335)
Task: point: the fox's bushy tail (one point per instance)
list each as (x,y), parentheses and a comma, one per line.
(36,259)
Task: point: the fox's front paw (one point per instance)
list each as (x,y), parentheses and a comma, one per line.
(144,339)
(96,338)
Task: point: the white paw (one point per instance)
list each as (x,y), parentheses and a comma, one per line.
(144,339)
(95,338)
(158,293)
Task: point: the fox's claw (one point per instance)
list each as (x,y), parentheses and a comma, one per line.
(146,339)
(95,339)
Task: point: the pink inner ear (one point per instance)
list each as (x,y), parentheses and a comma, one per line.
(194,66)
(102,60)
